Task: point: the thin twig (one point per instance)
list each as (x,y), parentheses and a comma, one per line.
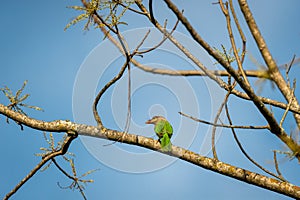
(243,38)
(128,116)
(140,44)
(70,177)
(223,125)
(131,9)
(290,65)
(97,17)
(161,42)
(243,150)
(213,135)
(64,148)
(289,104)
(232,40)
(288,70)
(128,58)
(116,78)
(99,95)
(277,167)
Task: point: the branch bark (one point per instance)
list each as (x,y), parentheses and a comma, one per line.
(267,56)
(241,174)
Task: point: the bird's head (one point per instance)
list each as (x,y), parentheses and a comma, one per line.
(155,119)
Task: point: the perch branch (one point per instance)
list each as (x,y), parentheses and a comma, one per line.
(241,174)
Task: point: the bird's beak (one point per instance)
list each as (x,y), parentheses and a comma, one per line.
(148,122)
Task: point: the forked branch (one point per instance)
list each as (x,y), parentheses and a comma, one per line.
(64,148)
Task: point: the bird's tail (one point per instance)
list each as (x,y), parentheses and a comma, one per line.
(165,143)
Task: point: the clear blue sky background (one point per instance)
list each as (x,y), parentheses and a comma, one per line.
(34,47)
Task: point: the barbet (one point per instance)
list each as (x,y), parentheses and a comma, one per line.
(163,130)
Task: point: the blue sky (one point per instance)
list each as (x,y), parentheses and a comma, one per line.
(35,47)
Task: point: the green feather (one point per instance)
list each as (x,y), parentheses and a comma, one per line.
(165,143)
(162,127)
(164,131)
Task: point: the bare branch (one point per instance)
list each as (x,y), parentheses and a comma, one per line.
(274,126)
(76,181)
(149,143)
(277,167)
(288,70)
(102,91)
(289,105)
(243,38)
(128,58)
(213,135)
(161,42)
(183,49)
(243,150)
(232,40)
(109,25)
(223,125)
(290,65)
(131,9)
(266,54)
(151,12)
(250,73)
(71,136)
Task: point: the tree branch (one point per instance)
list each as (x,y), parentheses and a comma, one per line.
(45,159)
(206,72)
(270,62)
(244,151)
(232,40)
(268,115)
(149,143)
(223,125)
(243,38)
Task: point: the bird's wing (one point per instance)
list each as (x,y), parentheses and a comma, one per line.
(159,129)
(169,129)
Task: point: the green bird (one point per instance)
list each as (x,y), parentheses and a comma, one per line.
(163,130)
